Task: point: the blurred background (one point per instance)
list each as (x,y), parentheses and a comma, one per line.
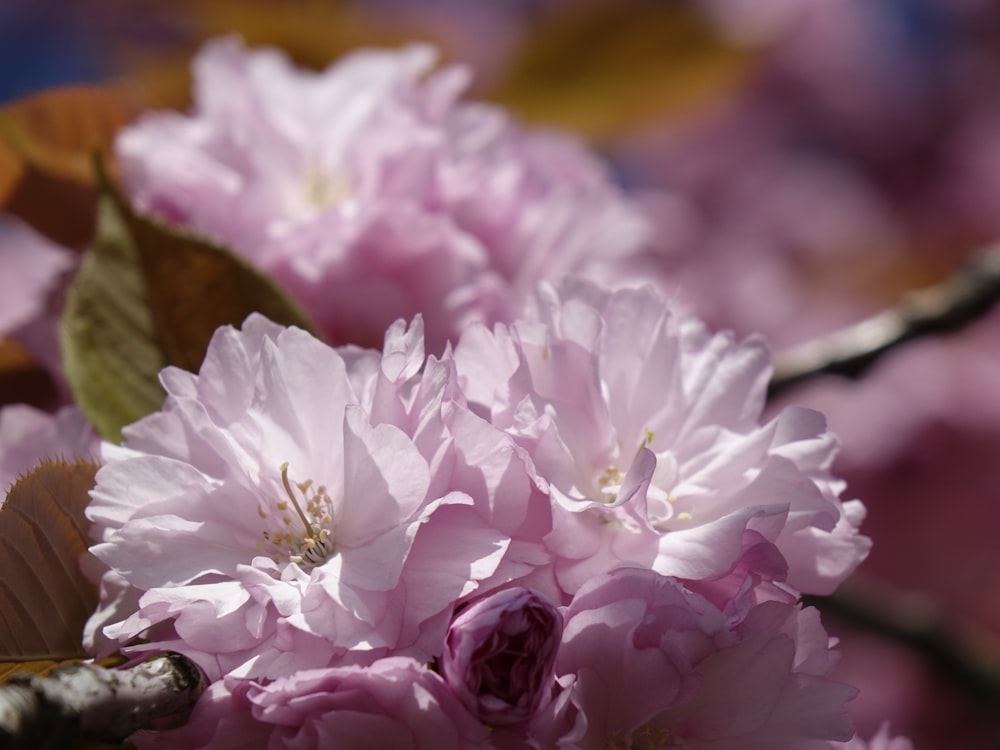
(807,162)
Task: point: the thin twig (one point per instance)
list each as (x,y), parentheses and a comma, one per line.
(86,701)
(880,611)
(944,307)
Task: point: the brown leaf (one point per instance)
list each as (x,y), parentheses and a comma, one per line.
(11,171)
(603,68)
(195,286)
(47,142)
(59,130)
(60,209)
(44,597)
(23,379)
(40,668)
(310,33)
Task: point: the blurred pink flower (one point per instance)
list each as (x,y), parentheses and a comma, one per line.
(269,521)
(28,436)
(372,192)
(30,266)
(645,427)
(649,664)
(856,162)
(32,273)
(765,238)
(499,655)
(860,161)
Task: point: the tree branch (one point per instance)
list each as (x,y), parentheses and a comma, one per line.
(941,308)
(881,611)
(85,701)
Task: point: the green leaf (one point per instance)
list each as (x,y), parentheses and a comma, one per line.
(44,597)
(111,353)
(150,295)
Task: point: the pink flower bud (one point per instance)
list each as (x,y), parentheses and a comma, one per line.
(500,653)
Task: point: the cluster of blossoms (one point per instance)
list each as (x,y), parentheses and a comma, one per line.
(571,532)
(372,192)
(566,527)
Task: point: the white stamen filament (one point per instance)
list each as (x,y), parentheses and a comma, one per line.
(317,545)
(310,532)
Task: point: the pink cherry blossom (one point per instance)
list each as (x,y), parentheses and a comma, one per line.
(465,454)
(392,703)
(646,429)
(373,192)
(222,719)
(269,521)
(648,664)
(499,655)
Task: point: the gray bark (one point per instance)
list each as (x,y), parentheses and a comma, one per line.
(86,701)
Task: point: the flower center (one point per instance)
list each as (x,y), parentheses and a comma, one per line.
(323,189)
(315,514)
(610,481)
